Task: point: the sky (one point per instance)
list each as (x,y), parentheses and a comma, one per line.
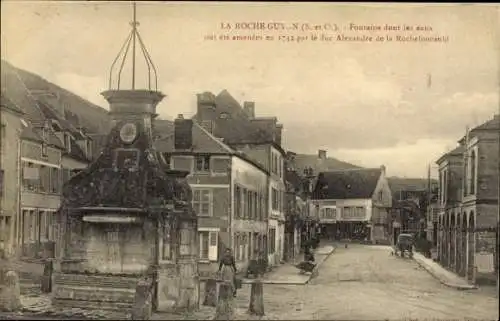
(401,104)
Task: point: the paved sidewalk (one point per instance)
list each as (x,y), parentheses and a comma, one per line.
(289,274)
(440,273)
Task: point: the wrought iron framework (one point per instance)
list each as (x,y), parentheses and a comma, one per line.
(132,39)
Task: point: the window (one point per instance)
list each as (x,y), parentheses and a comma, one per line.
(52,222)
(202,163)
(44,179)
(329,213)
(244,203)
(44,226)
(472,166)
(244,245)
(237,201)
(258,209)
(201,202)
(1,182)
(272,238)
(31,177)
(208,245)
(445,186)
(55,186)
(166,242)
(280,170)
(255,207)
(249,204)
(274,197)
(4,228)
(274,164)
(347,212)
(263,207)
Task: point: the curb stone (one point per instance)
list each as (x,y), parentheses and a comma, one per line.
(451,285)
(319,265)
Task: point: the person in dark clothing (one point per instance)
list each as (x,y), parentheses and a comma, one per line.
(308,254)
(227,268)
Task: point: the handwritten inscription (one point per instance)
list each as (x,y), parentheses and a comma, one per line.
(330,32)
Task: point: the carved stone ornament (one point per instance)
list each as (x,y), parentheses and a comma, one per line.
(128,133)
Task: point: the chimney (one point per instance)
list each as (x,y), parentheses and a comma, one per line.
(208,125)
(322,154)
(278,133)
(249,109)
(183,133)
(206,109)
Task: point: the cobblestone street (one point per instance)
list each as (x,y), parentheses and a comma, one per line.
(361,282)
(365,282)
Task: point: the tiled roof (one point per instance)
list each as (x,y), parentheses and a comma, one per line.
(492,124)
(458,150)
(303,161)
(29,133)
(9,104)
(203,142)
(50,113)
(347,184)
(237,128)
(15,89)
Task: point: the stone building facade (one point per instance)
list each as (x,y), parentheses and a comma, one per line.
(229,191)
(469,205)
(10,144)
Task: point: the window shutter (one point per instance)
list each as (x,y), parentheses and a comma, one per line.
(213,246)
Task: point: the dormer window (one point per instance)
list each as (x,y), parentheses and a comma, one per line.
(223,115)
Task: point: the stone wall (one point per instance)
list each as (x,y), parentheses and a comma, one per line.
(94,291)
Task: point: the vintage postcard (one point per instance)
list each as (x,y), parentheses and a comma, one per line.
(249,160)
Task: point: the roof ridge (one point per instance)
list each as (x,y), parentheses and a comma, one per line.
(353,169)
(29,94)
(229,149)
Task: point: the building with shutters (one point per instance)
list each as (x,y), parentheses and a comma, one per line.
(229,191)
(52,146)
(354,204)
(10,144)
(468,204)
(260,139)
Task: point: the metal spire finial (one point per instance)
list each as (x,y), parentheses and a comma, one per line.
(132,38)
